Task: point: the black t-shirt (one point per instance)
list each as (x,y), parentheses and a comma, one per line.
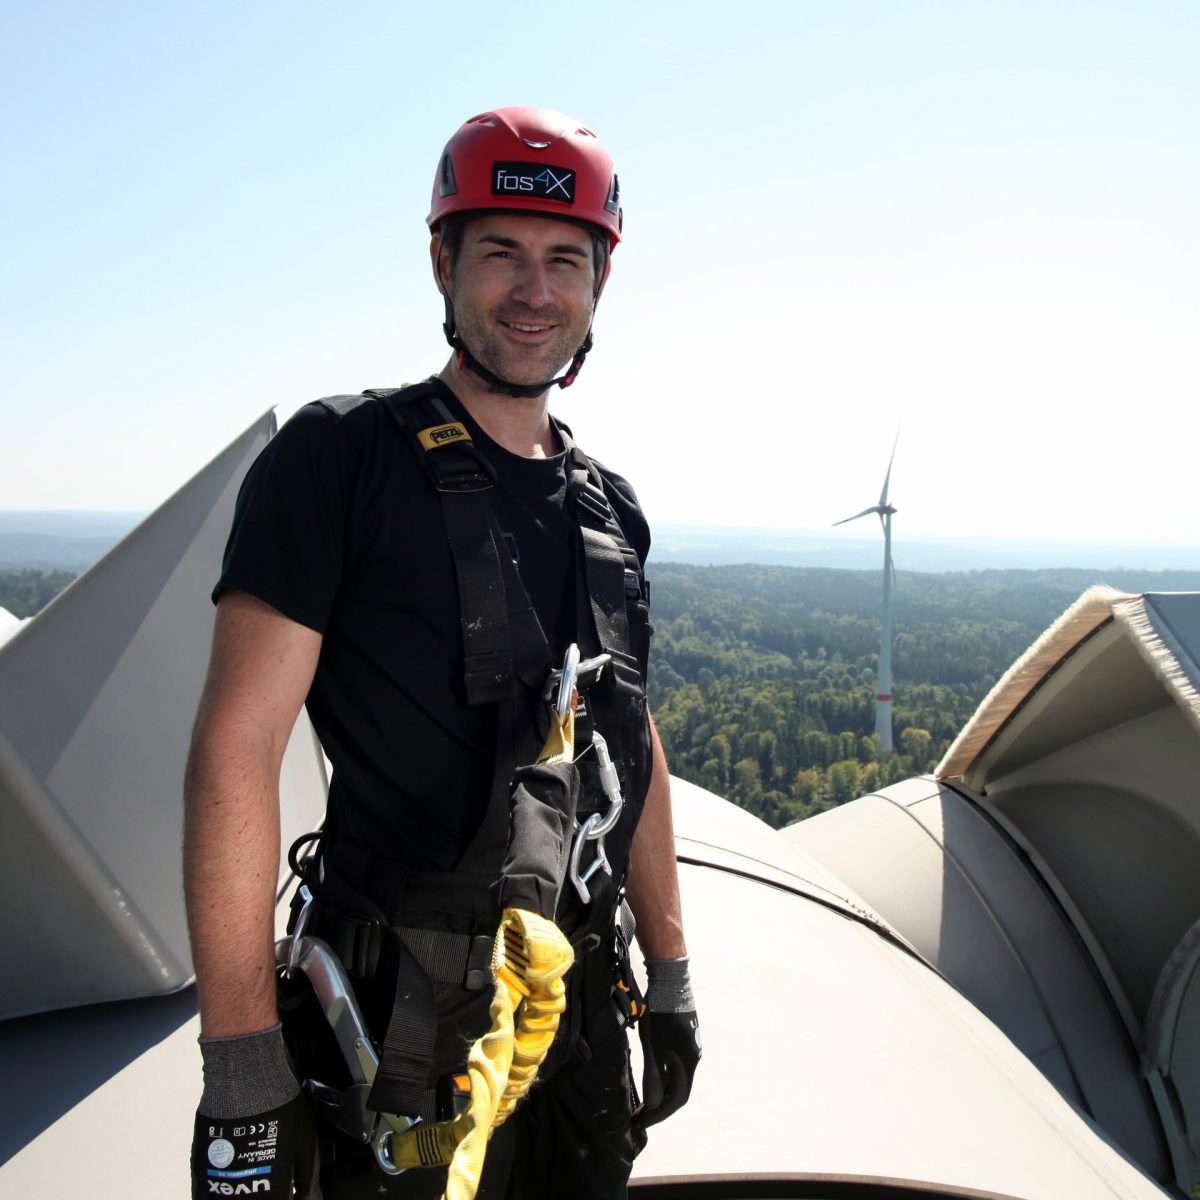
(338,527)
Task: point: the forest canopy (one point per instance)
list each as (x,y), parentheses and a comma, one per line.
(763,679)
(26,591)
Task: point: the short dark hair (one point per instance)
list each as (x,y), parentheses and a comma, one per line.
(451,228)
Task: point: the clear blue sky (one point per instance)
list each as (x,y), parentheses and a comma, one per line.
(979,220)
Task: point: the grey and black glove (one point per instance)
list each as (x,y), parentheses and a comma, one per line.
(253,1126)
(670,1034)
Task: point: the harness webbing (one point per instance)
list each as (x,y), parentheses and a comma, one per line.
(484,569)
(408,1042)
(610,565)
(503,645)
(461,476)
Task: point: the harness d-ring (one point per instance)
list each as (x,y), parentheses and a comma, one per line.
(381,1147)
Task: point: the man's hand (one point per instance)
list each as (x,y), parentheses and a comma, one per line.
(670,1034)
(253,1124)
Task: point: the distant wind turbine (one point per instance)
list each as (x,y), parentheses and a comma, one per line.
(883,697)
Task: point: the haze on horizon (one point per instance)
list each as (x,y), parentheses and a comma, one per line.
(975,221)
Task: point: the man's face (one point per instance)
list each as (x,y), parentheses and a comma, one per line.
(523,289)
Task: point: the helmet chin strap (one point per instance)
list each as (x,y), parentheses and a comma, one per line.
(524,391)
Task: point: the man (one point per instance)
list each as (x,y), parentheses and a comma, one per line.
(412,566)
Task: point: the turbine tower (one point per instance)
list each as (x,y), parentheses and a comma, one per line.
(883,696)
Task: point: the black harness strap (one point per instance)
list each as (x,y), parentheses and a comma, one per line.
(488,614)
(407,1050)
(462,477)
(611,568)
(503,641)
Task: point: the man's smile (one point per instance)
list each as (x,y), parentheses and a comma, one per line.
(529,333)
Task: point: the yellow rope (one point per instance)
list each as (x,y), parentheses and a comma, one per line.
(541,955)
(529,959)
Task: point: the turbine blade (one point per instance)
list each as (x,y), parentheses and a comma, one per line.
(864,512)
(888,477)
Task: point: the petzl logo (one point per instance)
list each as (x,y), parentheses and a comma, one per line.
(440,435)
(533,179)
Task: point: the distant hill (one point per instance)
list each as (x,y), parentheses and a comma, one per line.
(60,540)
(722,546)
(72,540)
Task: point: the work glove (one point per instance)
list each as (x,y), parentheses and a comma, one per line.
(252,1125)
(670,1034)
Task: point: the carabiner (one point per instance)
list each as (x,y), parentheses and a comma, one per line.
(596,826)
(293,959)
(566,683)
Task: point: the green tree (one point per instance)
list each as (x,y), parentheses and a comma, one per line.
(806,787)
(845,781)
(915,743)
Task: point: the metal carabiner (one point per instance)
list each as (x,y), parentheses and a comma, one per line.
(583,835)
(596,826)
(610,781)
(298,932)
(575,673)
(336,998)
(566,683)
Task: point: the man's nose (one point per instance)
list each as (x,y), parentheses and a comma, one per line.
(532,285)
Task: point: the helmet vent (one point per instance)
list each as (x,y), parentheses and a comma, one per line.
(535,145)
(447,184)
(613,203)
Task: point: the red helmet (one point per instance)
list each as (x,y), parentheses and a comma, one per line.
(531,160)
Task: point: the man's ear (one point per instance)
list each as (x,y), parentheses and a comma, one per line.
(604,278)
(439,260)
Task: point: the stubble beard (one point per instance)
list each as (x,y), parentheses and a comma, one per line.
(512,363)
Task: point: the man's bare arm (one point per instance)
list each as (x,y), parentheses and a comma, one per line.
(261,667)
(653,886)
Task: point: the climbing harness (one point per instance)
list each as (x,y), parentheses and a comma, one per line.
(530,958)
(531,837)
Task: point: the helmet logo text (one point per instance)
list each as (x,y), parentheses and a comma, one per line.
(534,180)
